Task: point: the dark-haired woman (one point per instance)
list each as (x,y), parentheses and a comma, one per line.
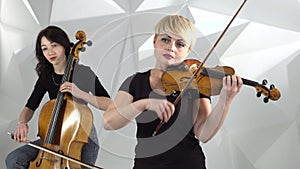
(52,51)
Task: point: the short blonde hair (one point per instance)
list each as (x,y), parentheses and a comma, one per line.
(178,25)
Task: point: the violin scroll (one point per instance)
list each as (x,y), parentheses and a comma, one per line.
(271,93)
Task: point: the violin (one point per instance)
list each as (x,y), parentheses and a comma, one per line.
(208,81)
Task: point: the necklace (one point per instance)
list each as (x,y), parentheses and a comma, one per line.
(57,84)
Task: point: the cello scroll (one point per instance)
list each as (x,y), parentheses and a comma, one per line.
(79,46)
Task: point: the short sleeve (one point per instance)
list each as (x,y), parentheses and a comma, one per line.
(204,96)
(127,85)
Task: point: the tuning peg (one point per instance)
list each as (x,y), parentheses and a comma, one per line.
(266,99)
(258,94)
(272,86)
(264,82)
(82,49)
(89,43)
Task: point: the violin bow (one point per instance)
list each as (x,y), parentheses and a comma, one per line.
(57,154)
(202,63)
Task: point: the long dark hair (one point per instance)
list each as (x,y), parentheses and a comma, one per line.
(54,34)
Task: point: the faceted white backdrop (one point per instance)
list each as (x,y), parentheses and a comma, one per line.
(262,43)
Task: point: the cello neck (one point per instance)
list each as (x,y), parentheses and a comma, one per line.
(59,102)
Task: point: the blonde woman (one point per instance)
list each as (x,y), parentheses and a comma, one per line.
(141,98)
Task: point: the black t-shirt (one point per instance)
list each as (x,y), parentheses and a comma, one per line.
(175,145)
(84,78)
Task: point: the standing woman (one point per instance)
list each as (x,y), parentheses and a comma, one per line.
(141,98)
(52,51)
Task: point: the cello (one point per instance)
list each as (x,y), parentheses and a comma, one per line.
(64,125)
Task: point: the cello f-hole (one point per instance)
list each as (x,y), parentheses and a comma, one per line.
(38,163)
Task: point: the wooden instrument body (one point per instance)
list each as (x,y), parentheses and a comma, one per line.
(73,129)
(208,81)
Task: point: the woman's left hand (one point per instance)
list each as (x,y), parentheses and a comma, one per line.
(231,86)
(71,88)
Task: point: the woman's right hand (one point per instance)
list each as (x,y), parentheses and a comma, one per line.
(21,132)
(163,108)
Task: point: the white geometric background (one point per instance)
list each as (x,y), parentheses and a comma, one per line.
(262,43)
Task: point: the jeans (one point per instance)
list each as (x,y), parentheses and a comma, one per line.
(20,158)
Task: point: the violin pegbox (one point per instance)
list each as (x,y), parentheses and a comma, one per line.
(269,93)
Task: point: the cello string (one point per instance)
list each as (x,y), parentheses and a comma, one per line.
(59,101)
